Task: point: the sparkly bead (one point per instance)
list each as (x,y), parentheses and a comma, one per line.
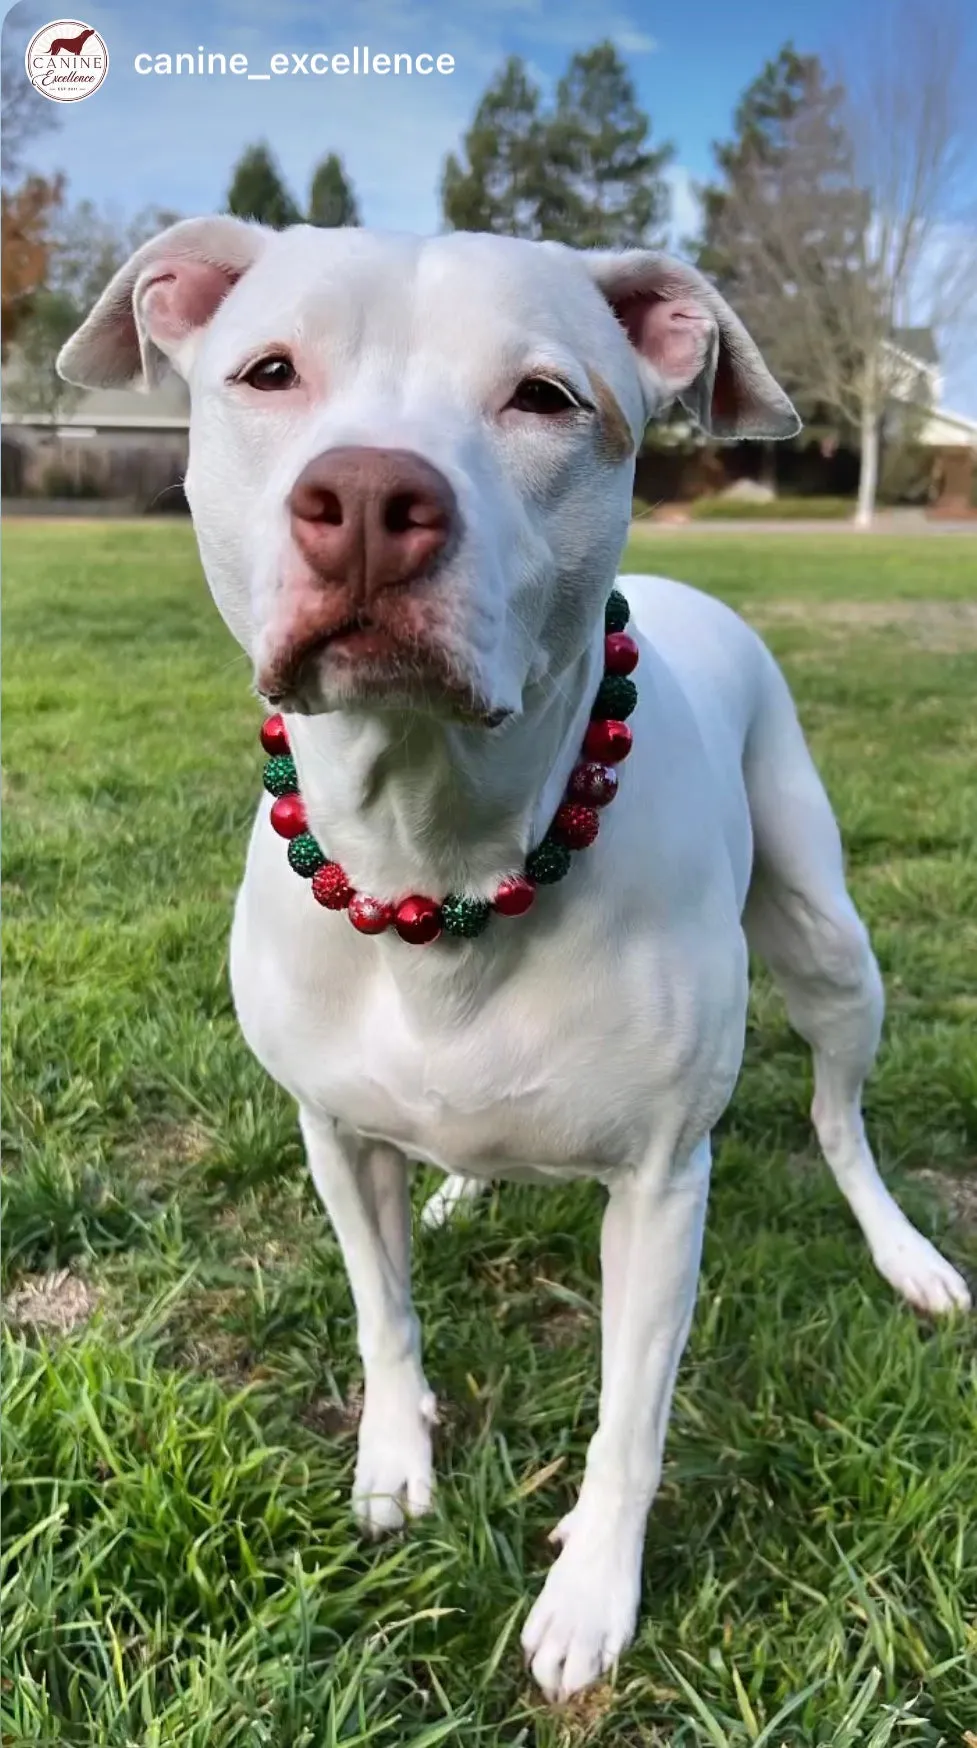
(370,915)
(464,916)
(331,887)
(609,741)
(280,776)
(515,895)
(288,816)
(418,920)
(616,696)
(620,653)
(595,784)
(305,856)
(548,863)
(274,735)
(576,826)
(616,612)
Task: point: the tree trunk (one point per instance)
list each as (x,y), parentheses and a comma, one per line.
(768,466)
(868,473)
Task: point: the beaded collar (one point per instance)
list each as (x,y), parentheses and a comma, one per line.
(419,920)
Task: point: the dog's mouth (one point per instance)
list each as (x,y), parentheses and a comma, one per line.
(359,660)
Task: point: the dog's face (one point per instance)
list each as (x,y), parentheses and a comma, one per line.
(411,461)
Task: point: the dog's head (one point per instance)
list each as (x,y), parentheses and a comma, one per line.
(411,461)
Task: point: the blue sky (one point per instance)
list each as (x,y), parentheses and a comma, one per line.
(171,141)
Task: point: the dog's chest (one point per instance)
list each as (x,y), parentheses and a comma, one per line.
(509,1093)
(555,1072)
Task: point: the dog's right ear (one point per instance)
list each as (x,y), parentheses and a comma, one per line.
(160,302)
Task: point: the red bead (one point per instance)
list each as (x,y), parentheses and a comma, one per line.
(609,741)
(274,736)
(288,816)
(514,896)
(418,920)
(370,915)
(620,653)
(331,887)
(576,826)
(595,784)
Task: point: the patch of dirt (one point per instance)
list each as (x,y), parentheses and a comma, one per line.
(205,1344)
(564,1328)
(945,627)
(331,1419)
(58,1301)
(957,1194)
(176,1143)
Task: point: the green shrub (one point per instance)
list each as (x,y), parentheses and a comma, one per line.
(906,476)
(778,510)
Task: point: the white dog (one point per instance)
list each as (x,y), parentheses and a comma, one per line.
(410,473)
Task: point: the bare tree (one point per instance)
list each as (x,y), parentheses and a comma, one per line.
(856,216)
(910,116)
(25,115)
(83,246)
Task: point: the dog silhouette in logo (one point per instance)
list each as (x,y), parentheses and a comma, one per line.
(71,45)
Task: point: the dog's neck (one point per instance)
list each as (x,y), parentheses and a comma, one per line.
(406,803)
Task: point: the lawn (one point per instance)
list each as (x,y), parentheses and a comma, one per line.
(180,1375)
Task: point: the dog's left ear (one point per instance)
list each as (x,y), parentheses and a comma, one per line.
(694,347)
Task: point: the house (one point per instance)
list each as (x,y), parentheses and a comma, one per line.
(104,443)
(916,383)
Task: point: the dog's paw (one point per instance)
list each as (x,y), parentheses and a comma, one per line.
(914,1266)
(394,1464)
(455,1194)
(585,1614)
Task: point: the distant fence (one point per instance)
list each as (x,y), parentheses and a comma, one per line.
(145,470)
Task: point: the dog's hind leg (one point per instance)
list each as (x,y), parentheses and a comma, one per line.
(363,1185)
(454,1195)
(800,919)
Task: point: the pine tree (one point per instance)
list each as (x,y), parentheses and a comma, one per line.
(583,173)
(332,201)
(599,141)
(258,192)
(500,186)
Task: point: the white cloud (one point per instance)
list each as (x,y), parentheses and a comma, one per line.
(634,42)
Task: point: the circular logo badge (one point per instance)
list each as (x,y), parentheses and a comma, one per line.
(66,60)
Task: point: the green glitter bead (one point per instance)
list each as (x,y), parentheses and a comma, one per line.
(617,612)
(305,855)
(616,698)
(464,916)
(549,863)
(280,776)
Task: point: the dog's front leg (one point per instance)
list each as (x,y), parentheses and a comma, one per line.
(650,1249)
(363,1185)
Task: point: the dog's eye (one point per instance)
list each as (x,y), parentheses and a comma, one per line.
(271,373)
(537,394)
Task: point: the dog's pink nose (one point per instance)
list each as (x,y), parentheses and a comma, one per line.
(371,518)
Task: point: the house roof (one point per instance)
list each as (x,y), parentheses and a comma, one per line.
(942,429)
(168,401)
(919,343)
(165,408)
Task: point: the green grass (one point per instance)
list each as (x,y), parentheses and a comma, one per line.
(181,1567)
